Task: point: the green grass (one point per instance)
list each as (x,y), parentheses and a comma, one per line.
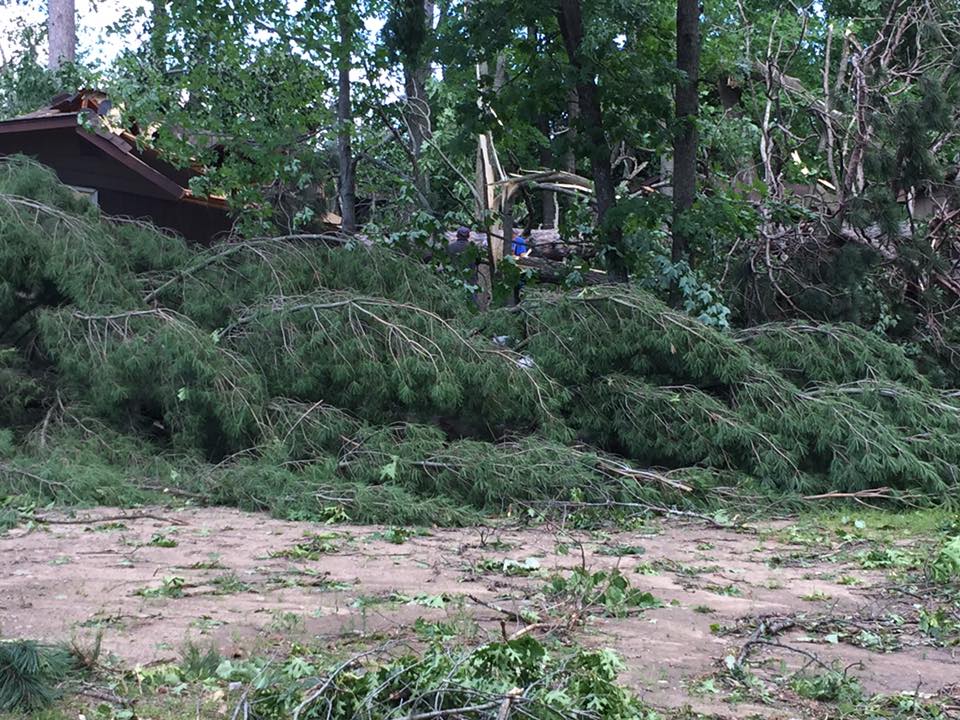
(883,524)
(172,587)
(229,584)
(730,590)
(162,540)
(310,548)
(193,701)
(620,550)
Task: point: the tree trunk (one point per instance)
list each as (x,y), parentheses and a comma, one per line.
(685,132)
(573,120)
(548,198)
(591,115)
(418,122)
(61,32)
(416,71)
(348,201)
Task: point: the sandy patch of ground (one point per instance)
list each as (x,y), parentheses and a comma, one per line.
(247,586)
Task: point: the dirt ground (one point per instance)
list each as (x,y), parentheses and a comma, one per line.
(247,583)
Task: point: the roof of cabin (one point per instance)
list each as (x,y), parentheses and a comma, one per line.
(85,113)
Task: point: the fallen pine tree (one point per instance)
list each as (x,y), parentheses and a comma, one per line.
(297,377)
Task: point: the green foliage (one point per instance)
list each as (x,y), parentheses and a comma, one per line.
(236,89)
(946,565)
(216,282)
(228,584)
(55,250)
(823,353)
(394,535)
(544,682)
(940,624)
(829,686)
(311,548)
(25,81)
(620,550)
(584,335)
(317,492)
(350,382)
(884,558)
(382,358)
(673,426)
(171,587)
(609,590)
(406,32)
(30,674)
(157,366)
(161,540)
(198,664)
(663,390)
(19,391)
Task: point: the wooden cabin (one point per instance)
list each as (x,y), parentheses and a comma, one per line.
(72,137)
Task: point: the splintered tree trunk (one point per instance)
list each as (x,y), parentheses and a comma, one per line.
(591,116)
(348,201)
(685,133)
(61,32)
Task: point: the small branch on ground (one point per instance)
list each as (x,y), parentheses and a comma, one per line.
(647,507)
(767,627)
(175,492)
(515,616)
(108,518)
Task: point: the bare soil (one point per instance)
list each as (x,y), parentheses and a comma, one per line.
(246,589)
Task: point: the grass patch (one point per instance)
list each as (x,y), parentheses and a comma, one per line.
(397,535)
(620,550)
(311,548)
(830,686)
(229,584)
(172,587)
(730,590)
(161,540)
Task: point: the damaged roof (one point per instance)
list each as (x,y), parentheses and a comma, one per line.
(85,112)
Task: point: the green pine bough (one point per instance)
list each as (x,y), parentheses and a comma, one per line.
(30,673)
(315,380)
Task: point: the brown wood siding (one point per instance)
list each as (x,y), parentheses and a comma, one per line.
(121,190)
(197,223)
